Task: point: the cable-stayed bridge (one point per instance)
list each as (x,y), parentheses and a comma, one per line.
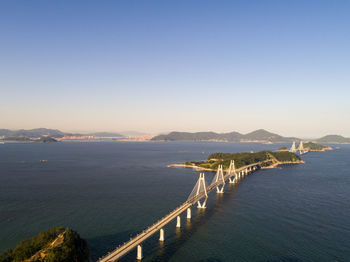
(300,148)
(199,196)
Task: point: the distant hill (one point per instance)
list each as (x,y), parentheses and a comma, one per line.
(105,134)
(260,135)
(336,139)
(185,136)
(23,134)
(31,133)
(264,135)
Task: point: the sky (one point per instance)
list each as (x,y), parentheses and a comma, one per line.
(159,66)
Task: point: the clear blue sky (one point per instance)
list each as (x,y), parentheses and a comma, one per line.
(157,66)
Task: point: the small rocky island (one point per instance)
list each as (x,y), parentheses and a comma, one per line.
(55,245)
(269,160)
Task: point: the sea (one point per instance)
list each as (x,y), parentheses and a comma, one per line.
(111,191)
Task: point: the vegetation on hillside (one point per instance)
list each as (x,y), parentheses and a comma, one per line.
(243,159)
(55,245)
(260,135)
(333,139)
(313,146)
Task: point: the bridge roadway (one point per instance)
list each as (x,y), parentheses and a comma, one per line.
(134,242)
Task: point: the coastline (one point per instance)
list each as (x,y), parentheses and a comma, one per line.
(321,150)
(274,165)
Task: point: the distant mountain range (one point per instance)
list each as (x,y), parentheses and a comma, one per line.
(39,132)
(333,139)
(260,135)
(32,133)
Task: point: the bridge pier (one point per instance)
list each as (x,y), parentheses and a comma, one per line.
(203,204)
(188,213)
(161,234)
(220,191)
(139,252)
(178,221)
(231,180)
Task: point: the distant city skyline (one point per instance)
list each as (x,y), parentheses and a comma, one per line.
(158,66)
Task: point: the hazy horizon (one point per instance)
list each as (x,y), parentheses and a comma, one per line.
(141,132)
(191,66)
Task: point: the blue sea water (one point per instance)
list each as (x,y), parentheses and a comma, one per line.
(109,191)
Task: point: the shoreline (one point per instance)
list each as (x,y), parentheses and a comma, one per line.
(274,165)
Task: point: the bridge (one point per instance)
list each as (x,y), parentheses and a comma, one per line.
(198,195)
(300,148)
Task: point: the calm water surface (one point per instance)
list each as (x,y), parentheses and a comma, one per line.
(110,191)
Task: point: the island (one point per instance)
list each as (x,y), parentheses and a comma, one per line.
(310,147)
(55,245)
(316,147)
(269,160)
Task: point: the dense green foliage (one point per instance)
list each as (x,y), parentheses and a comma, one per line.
(313,146)
(283,148)
(243,159)
(72,248)
(286,156)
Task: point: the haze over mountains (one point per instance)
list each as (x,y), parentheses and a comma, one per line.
(333,139)
(39,132)
(259,135)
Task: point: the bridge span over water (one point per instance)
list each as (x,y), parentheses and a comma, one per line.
(199,196)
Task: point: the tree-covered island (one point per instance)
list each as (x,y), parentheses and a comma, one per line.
(55,245)
(316,147)
(310,147)
(269,160)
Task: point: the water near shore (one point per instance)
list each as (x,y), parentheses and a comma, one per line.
(110,191)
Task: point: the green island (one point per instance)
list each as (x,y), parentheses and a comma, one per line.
(316,147)
(269,160)
(310,147)
(55,245)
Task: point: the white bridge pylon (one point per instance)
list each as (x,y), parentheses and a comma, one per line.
(231,173)
(199,189)
(219,180)
(293,148)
